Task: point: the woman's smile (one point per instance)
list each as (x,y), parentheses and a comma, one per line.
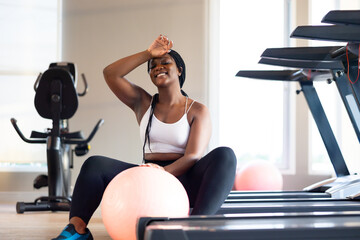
(161,74)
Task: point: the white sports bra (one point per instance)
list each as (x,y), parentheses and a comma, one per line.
(166,137)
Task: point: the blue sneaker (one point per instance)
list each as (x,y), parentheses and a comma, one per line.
(69,233)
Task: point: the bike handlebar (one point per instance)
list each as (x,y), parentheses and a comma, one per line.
(13,121)
(68,141)
(86,87)
(83,93)
(92,134)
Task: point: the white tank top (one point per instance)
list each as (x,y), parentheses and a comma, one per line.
(166,137)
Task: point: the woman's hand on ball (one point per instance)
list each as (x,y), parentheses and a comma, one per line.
(152,165)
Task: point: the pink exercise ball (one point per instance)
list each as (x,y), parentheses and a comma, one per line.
(140,192)
(258,176)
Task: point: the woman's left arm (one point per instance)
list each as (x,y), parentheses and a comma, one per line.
(200,133)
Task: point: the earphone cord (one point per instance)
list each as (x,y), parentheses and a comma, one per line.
(348,66)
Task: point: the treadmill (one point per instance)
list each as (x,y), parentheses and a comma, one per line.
(340,188)
(331,62)
(344,187)
(260,219)
(329,187)
(333,58)
(305,77)
(309,226)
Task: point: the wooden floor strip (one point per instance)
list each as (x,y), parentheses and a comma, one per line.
(41,225)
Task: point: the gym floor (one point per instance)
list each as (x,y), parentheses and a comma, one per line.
(40,225)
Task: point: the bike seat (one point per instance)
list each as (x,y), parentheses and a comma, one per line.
(56,96)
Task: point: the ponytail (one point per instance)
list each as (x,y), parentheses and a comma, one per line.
(148,127)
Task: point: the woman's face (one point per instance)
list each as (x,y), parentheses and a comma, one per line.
(163,71)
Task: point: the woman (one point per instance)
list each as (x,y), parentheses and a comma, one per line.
(175,131)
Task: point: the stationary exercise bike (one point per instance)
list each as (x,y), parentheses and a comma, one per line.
(56,99)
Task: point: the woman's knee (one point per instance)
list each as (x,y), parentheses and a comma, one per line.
(92,164)
(225,156)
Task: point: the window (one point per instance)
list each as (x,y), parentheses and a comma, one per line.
(30,40)
(253,114)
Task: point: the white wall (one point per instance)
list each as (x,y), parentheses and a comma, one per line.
(96,33)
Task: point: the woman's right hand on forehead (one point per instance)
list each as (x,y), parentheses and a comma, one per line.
(160,46)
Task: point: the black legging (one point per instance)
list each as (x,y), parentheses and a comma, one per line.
(207,183)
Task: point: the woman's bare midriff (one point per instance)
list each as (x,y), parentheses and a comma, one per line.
(162,156)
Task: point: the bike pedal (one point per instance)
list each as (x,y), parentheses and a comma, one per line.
(41,181)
